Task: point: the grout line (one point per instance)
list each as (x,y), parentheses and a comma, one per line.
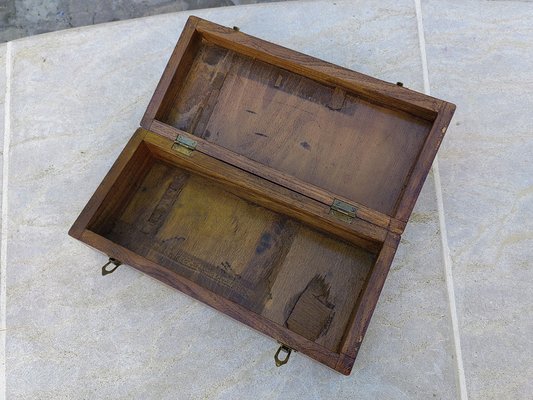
(460,371)
(459,367)
(4,225)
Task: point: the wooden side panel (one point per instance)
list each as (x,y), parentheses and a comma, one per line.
(103,193)
(423,164)
(174,73)
(368,299)
(211,65)
(379,220)
(371,88)
(130,179)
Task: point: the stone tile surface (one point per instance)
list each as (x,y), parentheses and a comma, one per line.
(3,51)
(77,96)
(480,56)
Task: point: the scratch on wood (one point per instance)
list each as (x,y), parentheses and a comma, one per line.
(278,81)
(337,99)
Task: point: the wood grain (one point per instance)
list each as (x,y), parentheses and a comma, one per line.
(325,197)
(259,259)
(373,89)
(294,129)
(177,67)
(270,195)
(243,222)
(369,296)
(103,193)
(230,308)
(215,56)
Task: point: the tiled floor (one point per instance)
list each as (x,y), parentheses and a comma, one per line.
(73,98)
(481,55)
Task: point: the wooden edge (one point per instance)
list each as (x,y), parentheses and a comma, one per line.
(367,303)
(397,226)
(345,364)
(182,45)
(269,195)
(234,310)
(425,160)
(220,153)
(98,197)
(370,88)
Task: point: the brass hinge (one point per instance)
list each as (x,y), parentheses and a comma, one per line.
(184,145)
(342,210)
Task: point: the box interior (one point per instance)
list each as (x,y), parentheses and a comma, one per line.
(271,264)
(320,134)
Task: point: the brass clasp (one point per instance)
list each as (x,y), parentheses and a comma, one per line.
(287,350)
(113,261)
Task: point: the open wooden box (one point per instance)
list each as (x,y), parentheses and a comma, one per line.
(271,186)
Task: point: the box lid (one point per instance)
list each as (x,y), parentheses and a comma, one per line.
(361,145)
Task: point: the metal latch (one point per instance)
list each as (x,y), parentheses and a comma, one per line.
(287,350)
(112,261)
(342,210)
(184,145)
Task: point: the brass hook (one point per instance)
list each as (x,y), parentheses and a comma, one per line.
(113,261)
(287,351)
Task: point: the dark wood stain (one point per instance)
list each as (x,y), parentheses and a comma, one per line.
(164,206)
(305,145)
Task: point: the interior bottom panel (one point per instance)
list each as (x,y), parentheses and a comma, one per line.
(273,265)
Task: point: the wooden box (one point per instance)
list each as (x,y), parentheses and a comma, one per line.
(270,185)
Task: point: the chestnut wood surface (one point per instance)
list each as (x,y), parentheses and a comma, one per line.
(325,197)
(270,195)
(268,263)
(316,124)
(243,221)
(277,274)
(321,135)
